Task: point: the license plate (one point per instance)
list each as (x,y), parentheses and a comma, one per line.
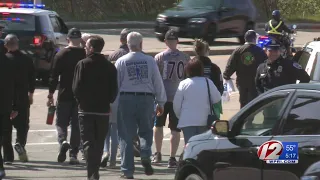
(174,28)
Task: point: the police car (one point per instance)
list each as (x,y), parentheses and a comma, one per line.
(309,59)
(41,33)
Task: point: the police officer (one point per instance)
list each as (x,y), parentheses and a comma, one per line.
(26,78)
(276,71)
(275,27)
(244,61)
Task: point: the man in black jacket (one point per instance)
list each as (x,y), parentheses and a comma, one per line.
(245,61)
(67,107)
(8,98)
(26,79)
(95,87)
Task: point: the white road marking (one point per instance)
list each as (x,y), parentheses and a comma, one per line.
(56,143)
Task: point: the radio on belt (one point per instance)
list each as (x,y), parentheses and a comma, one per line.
(276,152)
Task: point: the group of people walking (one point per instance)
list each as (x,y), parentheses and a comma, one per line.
(129,94)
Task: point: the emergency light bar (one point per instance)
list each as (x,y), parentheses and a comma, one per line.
(19,5)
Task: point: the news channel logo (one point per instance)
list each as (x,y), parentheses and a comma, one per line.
(276,152)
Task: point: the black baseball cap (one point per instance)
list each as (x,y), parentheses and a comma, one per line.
(74,33)
(250,35)
(171,35)
(273,45)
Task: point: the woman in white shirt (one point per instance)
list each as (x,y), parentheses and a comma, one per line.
(191,101)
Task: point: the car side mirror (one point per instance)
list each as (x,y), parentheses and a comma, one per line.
(220,127)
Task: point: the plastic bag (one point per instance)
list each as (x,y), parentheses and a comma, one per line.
(228,89)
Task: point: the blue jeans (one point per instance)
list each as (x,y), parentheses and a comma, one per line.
(190,131)
(134,115)
(113,134)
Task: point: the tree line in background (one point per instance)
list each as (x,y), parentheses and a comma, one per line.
(94,10)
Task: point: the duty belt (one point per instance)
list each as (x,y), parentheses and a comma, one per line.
(274,30)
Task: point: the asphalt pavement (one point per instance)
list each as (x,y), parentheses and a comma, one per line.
(42,147)
(222,46)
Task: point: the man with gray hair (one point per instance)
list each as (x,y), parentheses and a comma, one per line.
(123,50)
(26,84)
(140,85)
(244,61)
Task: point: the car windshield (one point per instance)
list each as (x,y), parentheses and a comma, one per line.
(211,4)
(18,22)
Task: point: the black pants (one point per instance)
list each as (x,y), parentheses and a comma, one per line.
(247,94)
(94,129)
(4,118)
(21,124)
(67,114)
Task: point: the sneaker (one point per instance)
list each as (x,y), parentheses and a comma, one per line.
(21,152)
(112,165)
(172,163)
(126,177)
(8,162)
(104,161)
(62,156)
(146,163)
(73,161)
(2,173)
(157,157)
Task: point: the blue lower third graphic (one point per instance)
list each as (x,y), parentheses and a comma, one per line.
(289,155)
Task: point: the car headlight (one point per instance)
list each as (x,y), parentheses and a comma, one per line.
(309,178)
(161,18)
(197,20)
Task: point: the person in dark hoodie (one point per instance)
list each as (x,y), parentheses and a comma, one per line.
(8,95)
(95,87)
(244,61)
(26,78)
(65,62)
(211,70)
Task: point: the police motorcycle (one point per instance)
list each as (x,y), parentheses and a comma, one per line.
(264,39)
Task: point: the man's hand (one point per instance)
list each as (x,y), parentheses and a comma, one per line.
(13,114)
(50,102)
(159,110)
(30,98)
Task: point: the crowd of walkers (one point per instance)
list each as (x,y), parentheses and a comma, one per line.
(122,97)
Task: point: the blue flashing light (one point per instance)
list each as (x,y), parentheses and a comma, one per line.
(19,5)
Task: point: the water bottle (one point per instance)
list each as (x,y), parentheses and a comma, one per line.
(50,116)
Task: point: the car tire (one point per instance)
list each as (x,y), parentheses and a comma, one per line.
(193,177)
(212,30)
(160,37)
(250,25)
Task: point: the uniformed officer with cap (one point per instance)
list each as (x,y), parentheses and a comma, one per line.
(277,71)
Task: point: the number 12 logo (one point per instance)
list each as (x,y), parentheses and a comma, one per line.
(270,150)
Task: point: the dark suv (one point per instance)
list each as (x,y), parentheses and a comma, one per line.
(41,33)
(208,19)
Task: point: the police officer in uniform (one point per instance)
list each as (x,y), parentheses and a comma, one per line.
(277,71)
(245,61)
(275,27)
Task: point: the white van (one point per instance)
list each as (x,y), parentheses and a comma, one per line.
(309,59)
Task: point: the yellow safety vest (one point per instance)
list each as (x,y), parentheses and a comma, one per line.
(274,30)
